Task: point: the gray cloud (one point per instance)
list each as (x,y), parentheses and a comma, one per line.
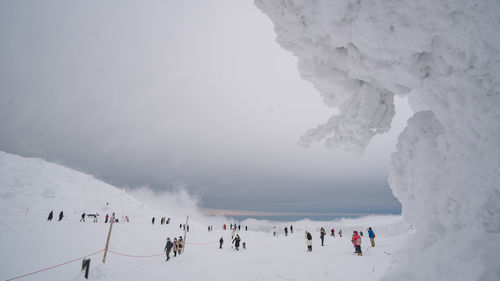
(154,93)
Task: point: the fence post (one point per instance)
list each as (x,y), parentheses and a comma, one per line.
(86,266)
(109,236)
(184,246)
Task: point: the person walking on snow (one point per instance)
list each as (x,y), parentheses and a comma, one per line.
(105,221)
(221,241)
(333,232)
(274,231)
(174,248)
(168,248)
(352,241)
(153,220)
(236,242)
(51,214)
(286,231)
(83,218)
(340,233)
(322,234)
(371,234)
(356,238)
(291,228)
(309,241)
(61,215)
(180,245)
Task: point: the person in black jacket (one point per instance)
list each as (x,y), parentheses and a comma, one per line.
(168,248)
(221,241)
(51,214)
(322,234)
(236,242)
(61,215)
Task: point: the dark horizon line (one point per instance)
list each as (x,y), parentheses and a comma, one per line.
(233,212)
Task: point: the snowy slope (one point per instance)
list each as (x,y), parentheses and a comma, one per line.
(445,55)
(30,188)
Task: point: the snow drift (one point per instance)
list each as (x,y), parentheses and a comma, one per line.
(445,56)
(34,187)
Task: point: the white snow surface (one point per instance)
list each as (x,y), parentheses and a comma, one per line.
(445,56)
(30,188)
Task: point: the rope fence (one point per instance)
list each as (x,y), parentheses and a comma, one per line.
(97,252)
(200,244)
(135,256)
(54,266)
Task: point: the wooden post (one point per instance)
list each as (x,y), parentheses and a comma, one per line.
(109,236)
(184,242)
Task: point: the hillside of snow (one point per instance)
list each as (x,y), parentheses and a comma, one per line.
(31,188)
(445,57)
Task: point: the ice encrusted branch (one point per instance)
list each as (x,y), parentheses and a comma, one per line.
(366,113)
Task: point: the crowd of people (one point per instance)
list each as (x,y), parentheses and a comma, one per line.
(177,246)
(94,217)
(356,239)
(233,226)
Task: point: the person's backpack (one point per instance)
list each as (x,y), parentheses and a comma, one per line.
(309,236)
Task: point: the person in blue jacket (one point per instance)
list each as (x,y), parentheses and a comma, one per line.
(371,234)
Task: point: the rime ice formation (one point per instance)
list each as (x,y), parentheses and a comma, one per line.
(446,56)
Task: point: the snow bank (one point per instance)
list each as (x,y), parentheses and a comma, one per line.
(446,56)
(34,187)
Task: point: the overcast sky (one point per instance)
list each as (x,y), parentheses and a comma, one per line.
(161,93)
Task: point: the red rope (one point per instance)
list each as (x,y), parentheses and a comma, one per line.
(134,256)
(211,243)
(111,251)
(61,264)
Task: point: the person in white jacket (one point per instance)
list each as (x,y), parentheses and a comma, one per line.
(309,241)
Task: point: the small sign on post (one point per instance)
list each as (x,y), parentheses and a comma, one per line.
(86,267)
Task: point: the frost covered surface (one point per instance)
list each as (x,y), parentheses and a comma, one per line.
(30,188)
(446,171)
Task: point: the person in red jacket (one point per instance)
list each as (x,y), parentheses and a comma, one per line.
(356,239)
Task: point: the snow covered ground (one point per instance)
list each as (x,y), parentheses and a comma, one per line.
(30,188)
